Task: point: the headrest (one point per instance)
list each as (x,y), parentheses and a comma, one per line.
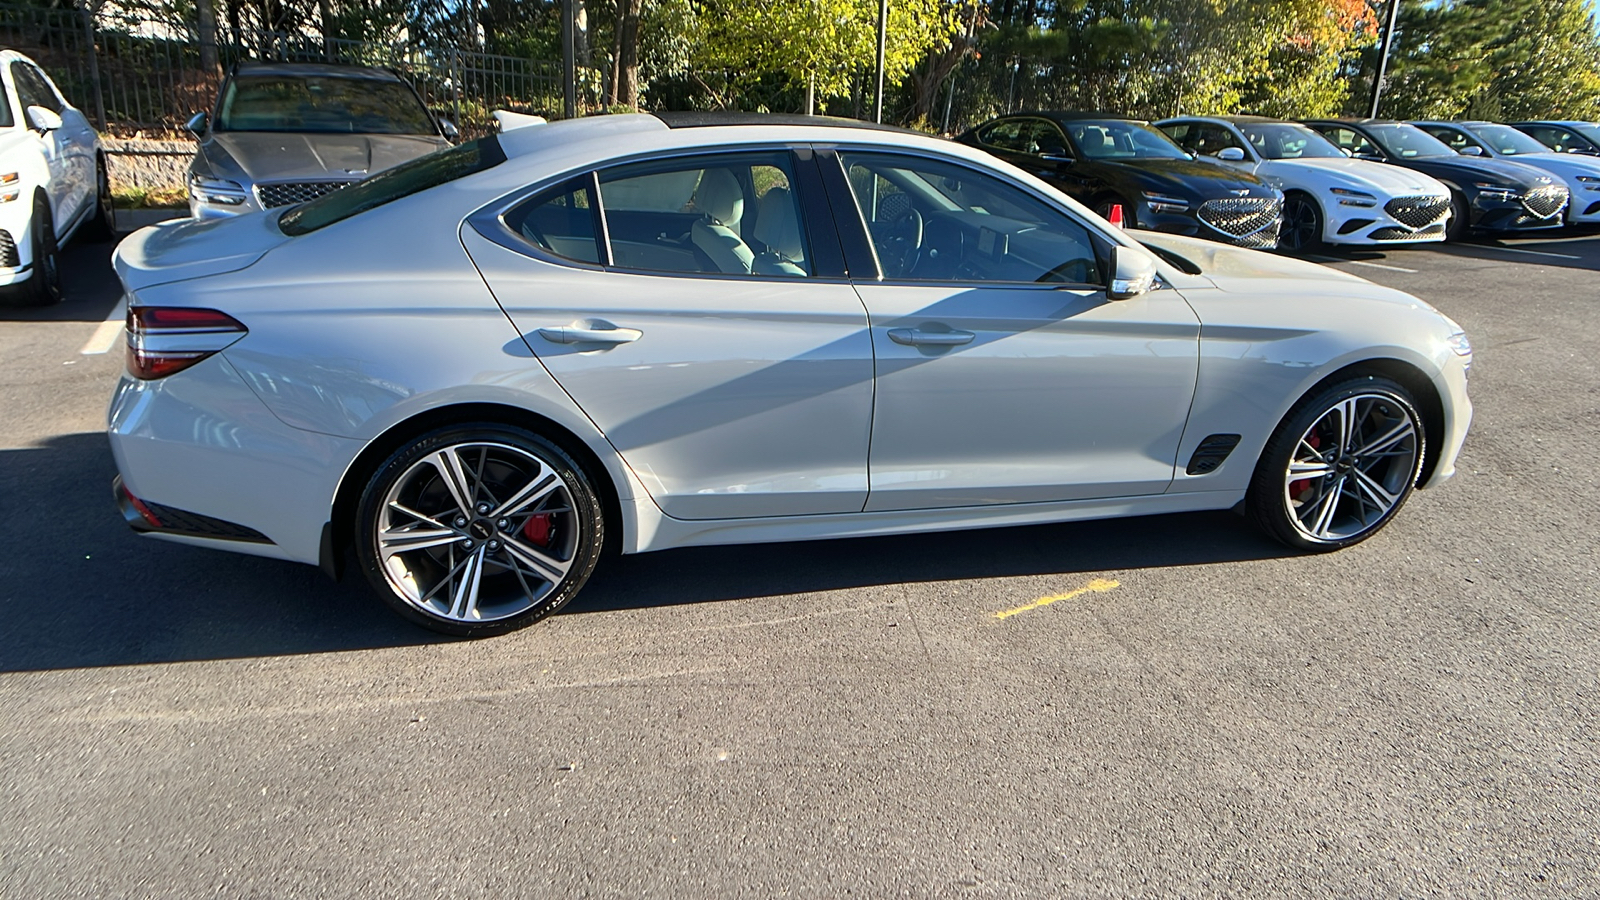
(719,196)
(777,226)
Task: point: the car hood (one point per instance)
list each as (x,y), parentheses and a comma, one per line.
(268,156)
(192,248)
(1360,174)
(1567,165)
(1189,175)
(1474,168)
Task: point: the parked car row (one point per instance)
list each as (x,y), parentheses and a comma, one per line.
(1300,185)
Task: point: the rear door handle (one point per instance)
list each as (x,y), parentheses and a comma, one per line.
(578,334)
(915,337)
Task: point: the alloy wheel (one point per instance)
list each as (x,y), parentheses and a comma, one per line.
(1302,226)
(1352,468)
(477,532)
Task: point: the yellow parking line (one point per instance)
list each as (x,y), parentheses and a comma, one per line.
(1097,586)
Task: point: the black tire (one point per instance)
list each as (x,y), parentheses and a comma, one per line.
(99,228)
(43,287)
(1102,208)
(1460,218)
(1302,224)
(1281,504)
(503,591)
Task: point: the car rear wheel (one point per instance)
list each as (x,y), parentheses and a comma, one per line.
(43,287)
(1302,224)
(480,529)
(1340,466)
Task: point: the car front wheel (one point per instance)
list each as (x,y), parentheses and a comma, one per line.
(479,529)
(1340,466)
(1302,224)
(43,287)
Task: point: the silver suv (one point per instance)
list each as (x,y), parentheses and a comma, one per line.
(284,133)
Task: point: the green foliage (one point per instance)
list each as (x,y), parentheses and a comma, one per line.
(823,43)
(1506,58)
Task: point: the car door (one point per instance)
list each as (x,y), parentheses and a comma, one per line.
(32,92)
(696,309)
(1004,374)
(78,143)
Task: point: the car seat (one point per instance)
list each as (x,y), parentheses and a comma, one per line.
(720,200)
(778,228)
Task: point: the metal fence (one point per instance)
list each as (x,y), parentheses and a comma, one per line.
(140,82)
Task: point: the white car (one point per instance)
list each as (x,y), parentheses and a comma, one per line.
(1581,174)
(1328,198)
(480,367)
(52,182)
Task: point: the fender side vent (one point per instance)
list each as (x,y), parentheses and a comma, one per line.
(1211,452)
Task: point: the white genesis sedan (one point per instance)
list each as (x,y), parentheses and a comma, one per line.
(475,370)
(1328,198)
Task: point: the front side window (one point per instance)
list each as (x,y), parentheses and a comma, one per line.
(39,92)
(1408,141)
(728,214)
(1453,138)
(936,221)
(1211,139)
(322,105)
(1351,140)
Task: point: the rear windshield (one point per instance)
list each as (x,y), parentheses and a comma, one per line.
(403,180)
(322,105)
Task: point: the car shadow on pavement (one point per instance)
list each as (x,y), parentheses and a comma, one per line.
(83,591)
(709,574)
(89,286)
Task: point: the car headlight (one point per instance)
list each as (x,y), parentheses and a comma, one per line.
(1460,344)
(10,187)
(1348,197)
(1488,190)
(1590,182)
(216,190)
(1165,202)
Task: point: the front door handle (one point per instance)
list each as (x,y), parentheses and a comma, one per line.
(579,334)
(916,337)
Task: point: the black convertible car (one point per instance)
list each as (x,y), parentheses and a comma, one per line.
(1486,194)
(1132,174)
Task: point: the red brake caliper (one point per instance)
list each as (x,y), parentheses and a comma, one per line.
(1296,488)
(537,529)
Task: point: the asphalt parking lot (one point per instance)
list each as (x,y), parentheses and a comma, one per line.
(1167,707)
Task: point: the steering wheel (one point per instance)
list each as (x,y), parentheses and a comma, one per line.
(899,236)
(1073,271)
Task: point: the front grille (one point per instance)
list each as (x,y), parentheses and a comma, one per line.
(286,193)
(1546,201)
(1418,212)
(1405,234)
(1247,221)
(8,250)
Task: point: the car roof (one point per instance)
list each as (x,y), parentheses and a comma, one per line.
(1354,120)
(720,118)
(1071,115)
(313,70)
(1234,120)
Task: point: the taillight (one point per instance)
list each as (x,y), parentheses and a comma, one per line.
(167,339)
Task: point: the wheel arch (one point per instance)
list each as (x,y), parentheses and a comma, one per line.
(1423,392)
(337,533)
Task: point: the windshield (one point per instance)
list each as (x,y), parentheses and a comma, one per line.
(322,105)
(1408,141)
(1507,141)
(1286,141)
(403,180)
(1120,139)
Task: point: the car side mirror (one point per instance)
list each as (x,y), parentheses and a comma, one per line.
(43,120)
(1133,272)
(1230,154)
(1346,152)
(449,129)
(197,124)
(1471,151)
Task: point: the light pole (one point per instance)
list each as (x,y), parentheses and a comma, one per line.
(883,38)
(1383,59)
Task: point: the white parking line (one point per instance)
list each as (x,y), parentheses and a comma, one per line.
(106,334)
(1531,252)
(1357,262)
